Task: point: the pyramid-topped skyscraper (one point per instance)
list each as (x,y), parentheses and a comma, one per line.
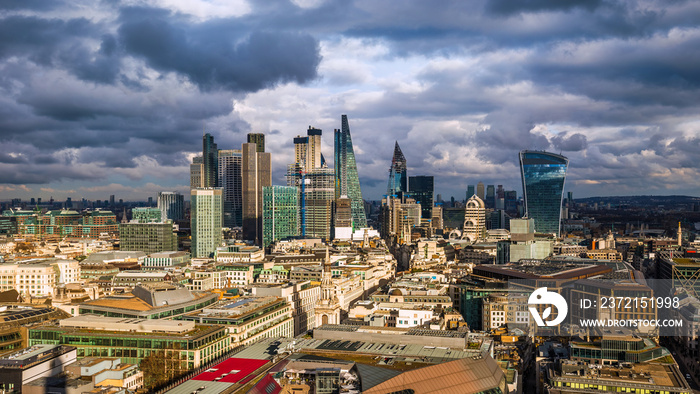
(397,173)
(347,181)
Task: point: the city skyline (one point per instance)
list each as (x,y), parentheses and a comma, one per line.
(96,104)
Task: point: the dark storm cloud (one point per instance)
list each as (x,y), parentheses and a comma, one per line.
(219,61)
(507,7)
(573,142)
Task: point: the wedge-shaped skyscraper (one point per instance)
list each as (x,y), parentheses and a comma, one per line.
(543,176)
(397,173)
(347,181)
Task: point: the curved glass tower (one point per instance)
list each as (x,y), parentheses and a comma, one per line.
(347,181)
(543,176)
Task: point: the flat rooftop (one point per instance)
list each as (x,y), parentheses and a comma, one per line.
(96,322)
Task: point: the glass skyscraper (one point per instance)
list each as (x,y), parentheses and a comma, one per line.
(421,188)
(543,176)
(397,173)
(280,213)
(347,181)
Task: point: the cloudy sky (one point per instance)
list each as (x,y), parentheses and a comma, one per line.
(112,97)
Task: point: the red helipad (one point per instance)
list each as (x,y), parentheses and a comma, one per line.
(232,370)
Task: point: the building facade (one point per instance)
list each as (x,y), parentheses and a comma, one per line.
(421,188)
(256,173)
(230,177)
(280,213)
(347,181)
(206,214)
(398,178)
(543,175)
(171,205)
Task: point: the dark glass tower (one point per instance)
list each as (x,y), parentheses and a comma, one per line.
(347,181)
(397,173)
(421,188)
(210,162)
(543,176)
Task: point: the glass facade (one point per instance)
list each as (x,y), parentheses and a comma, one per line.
(347,181)
(397,173)
(422,189)
(543,176)
(280,213)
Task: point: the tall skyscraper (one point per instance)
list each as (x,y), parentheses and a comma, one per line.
(280,213)
(490,196)
(230,178)
(301,150)
(258,139)
(171,205)
(421,188)
(316,195)
(397,173)
(543,175)
(210,162)
(313,155)
(480,191)
(470,191)
(206,220)
(347,181)
(196,171)
(256,174)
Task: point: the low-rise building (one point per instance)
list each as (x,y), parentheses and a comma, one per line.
(105,371)
(150,301)
(165,260)
(186,345)
(302,297)
(249,319)
(35,362)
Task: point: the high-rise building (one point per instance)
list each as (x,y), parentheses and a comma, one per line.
(347,181)
(206,220)
(543,175)
(256,173)
(474,220)
(470,191)
(316,194)
(480,191)
(196,170)
(490,196)
(171,205)
(280,213)
(421,188)
(313,156)
(397,173)
(301,150)
(258,139)
(230,178)
(210,162)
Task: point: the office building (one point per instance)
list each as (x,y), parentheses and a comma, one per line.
(149,237)
(316,192)
(543,176)
(36,362)
(474,228)
(342,227)
(249,319)
(185,344)
(206,220)
(313,154)
(210,162)
(171,205)
(480,191)
(258,139)
(490,200)
(280,213)
(146,215)
(230,178)
(196,171)
(399,216)
(256,173)
(347,181)
(301,296)
(470,191)
(397,173)
(421,188)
